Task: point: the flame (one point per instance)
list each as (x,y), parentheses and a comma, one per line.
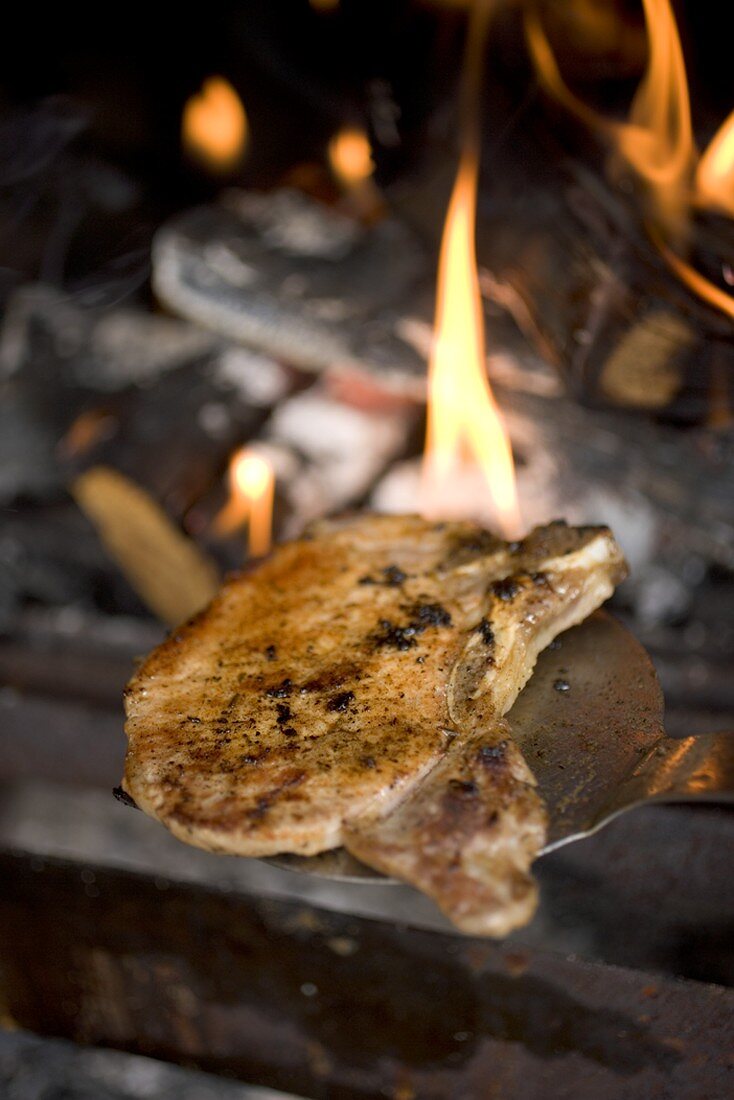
(350,157)
(251,488)
(694,280)
(214,125)
(657,142)
(715,172)
(549,74)
(465,435)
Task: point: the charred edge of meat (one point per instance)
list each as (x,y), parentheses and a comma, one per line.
(423,616)
(492,755)
(484,629)
(255,757)
(430,614)
(281,690)
(341,701)
(463,788)
(506,588)
(399,637)
(126,799)
(392,577)
(464,547)
(265,801)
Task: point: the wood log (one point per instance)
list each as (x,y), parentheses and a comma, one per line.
(287,995)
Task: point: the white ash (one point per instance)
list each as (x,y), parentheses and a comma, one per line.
(284,275)
(292,222)
(258,379)
(224,261)
(342,449)
(130,346)
(106,350)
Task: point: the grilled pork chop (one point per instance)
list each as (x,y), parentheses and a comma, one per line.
(351,690)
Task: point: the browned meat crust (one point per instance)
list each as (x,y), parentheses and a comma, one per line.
(350,691)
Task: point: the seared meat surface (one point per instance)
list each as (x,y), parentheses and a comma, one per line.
(351,690)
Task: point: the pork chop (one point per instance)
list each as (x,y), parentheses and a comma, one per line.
(345,690)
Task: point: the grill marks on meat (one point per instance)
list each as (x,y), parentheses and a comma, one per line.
(307,708)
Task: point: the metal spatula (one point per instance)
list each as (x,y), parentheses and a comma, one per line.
(590,723)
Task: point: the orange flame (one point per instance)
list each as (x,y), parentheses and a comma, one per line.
(252,487)
(715,172)
(694,280)
(657,142)
(350,157)
(214,126)
(465,433)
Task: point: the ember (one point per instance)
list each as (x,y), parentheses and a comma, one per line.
(214,126)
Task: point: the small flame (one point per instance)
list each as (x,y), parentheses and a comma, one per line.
(251,488)
(715,172)
(465,436)
(465,429)
(694,280)
(214,125)
(350,157)
(657,142)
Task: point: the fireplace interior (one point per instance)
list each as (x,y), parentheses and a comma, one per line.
(165,305)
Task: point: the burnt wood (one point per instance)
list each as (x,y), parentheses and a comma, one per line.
(286,995)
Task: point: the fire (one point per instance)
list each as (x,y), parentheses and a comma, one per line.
(715,172)
(695,281)
(252,487)
(350,157)
(657,142)
(465,434)
(214,126)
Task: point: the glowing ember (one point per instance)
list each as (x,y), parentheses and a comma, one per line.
(715,172)
(465,431)
(214,126)
(252,485)
(350,157)
(89,428)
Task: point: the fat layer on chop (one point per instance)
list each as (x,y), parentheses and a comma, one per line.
(350,690)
